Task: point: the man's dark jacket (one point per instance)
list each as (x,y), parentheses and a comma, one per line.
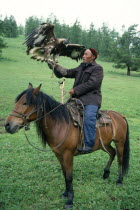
(87,85)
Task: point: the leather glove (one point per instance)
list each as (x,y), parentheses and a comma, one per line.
(57,67)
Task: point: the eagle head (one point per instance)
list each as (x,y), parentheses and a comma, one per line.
(66,41)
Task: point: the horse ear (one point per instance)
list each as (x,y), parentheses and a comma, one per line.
(36,90)
(30,86)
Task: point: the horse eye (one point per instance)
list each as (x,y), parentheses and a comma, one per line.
(24,104)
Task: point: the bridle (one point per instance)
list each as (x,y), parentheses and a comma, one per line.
(26,125)
(25,117)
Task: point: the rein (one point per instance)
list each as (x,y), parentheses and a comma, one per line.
(26,126)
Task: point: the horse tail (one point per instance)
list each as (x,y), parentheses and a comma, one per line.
(126,152)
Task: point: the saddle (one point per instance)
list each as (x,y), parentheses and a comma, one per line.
(76,110)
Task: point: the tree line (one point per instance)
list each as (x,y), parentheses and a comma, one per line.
(122,49)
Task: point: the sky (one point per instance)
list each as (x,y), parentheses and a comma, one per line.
(115,13)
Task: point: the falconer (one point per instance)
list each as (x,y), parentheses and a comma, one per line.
(87,88)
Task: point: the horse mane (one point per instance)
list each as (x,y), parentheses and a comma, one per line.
(45,104)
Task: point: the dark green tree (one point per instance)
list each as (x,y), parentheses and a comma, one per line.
(106,40)
(31,23)
(2,43)
(58,27)
(93,39)
(10,27)
(85,38)
(127,53)
(65,31)
(1,27)
(76,33)
(21,30)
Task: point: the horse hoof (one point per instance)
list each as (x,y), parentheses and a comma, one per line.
(64,195)
(106,174)
(119,184)
(68,206)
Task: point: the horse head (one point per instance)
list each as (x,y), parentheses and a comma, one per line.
(25,110)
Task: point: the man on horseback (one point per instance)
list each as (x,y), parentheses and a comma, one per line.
(87,88)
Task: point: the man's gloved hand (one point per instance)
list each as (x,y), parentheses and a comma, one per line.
(55,65)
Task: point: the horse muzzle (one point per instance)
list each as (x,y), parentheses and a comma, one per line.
(10,128)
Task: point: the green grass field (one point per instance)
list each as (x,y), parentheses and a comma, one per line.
(31,179)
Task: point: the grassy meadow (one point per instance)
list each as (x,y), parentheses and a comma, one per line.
(31,179)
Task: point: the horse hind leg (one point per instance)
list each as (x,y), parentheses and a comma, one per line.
(119,148)
(121,141)
(123,159)
(112,152)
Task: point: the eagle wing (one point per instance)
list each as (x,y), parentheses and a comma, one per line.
(40,37)
(74,51)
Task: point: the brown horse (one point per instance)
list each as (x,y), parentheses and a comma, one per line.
(55,128)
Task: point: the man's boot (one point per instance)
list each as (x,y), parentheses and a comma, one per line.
(85,149)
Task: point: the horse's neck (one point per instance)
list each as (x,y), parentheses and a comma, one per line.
(47,124)
(54,130)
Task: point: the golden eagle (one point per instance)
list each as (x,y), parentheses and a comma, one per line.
(43,45)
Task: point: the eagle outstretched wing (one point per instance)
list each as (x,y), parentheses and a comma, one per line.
(42,44)
(74,51)
(40,36)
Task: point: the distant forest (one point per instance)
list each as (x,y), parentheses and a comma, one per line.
(122,49)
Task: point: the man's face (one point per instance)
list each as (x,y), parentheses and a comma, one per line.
(88,57)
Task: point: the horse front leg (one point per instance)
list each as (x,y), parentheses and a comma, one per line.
(66,161)
(68,174)
(69,193)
